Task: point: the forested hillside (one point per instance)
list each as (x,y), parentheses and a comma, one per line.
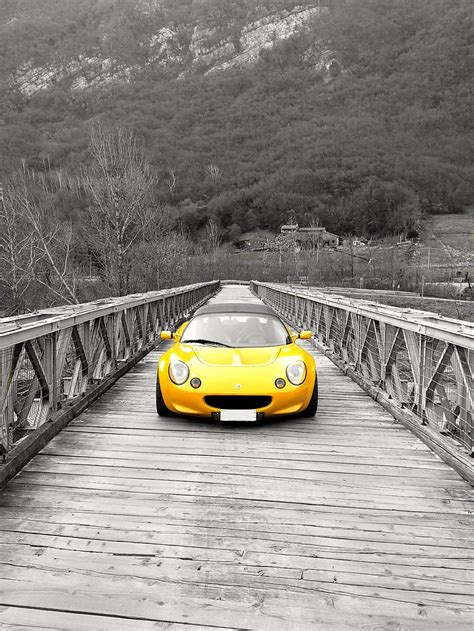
(360,117)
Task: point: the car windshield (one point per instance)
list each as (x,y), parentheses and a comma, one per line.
(236,330)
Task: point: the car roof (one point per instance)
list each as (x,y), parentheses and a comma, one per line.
(235,307)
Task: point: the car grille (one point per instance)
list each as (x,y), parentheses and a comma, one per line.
(238,402)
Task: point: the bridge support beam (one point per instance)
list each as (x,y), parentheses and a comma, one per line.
(419,366)
(53,364)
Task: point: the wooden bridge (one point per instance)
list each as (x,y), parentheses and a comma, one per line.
(125,520)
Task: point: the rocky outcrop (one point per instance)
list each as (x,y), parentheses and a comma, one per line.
(188,48)
(265,33)
(84,72)
(167,48)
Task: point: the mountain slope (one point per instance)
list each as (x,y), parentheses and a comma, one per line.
(92,43)
(359,117)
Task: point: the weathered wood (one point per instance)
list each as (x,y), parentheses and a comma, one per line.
(419,360)
(337,474)
(259,603)
(19,618)
(65,352)
(31,445)
(342,522)
(357,573)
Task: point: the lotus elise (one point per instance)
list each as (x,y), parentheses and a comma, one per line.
(236,362)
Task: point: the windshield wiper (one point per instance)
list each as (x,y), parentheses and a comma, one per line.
(204,341)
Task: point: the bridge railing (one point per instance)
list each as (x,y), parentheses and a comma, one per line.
(51,359)
(422,361)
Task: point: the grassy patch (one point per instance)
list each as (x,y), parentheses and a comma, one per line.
(459,309)
(449,234)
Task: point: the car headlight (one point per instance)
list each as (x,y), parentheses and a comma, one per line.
(296,373)
(178,372)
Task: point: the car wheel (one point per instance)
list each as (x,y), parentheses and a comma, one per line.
(313,403)
(160,403)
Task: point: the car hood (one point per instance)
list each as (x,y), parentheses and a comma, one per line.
(218,356)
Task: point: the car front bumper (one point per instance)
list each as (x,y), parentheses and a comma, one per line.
(250,382)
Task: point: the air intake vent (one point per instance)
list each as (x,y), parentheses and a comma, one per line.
(238,402)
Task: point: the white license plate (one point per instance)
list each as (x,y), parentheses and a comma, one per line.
(239,415)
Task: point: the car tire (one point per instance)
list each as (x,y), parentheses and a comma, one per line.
(160,403)
(313,402)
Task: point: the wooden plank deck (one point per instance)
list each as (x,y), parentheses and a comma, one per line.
(342,522)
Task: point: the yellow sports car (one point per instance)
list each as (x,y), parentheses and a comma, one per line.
(236,362)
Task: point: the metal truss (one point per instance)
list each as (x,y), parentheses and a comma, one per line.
(50,359)
(422,361)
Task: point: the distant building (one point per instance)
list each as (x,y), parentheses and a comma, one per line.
(313,235)
(289,228)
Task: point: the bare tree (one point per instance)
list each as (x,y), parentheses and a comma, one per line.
(16,246)
(286,246)
(213,172)
(213,242)
(315,243)
(171,182)
(161,257)
(291,217)
(47,242)
(119,183)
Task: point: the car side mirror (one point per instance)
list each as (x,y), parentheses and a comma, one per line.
(166,335)
(305,335)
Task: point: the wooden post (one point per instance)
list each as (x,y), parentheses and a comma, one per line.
(50,369)
(86,342)
(421,382)
(6,403)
